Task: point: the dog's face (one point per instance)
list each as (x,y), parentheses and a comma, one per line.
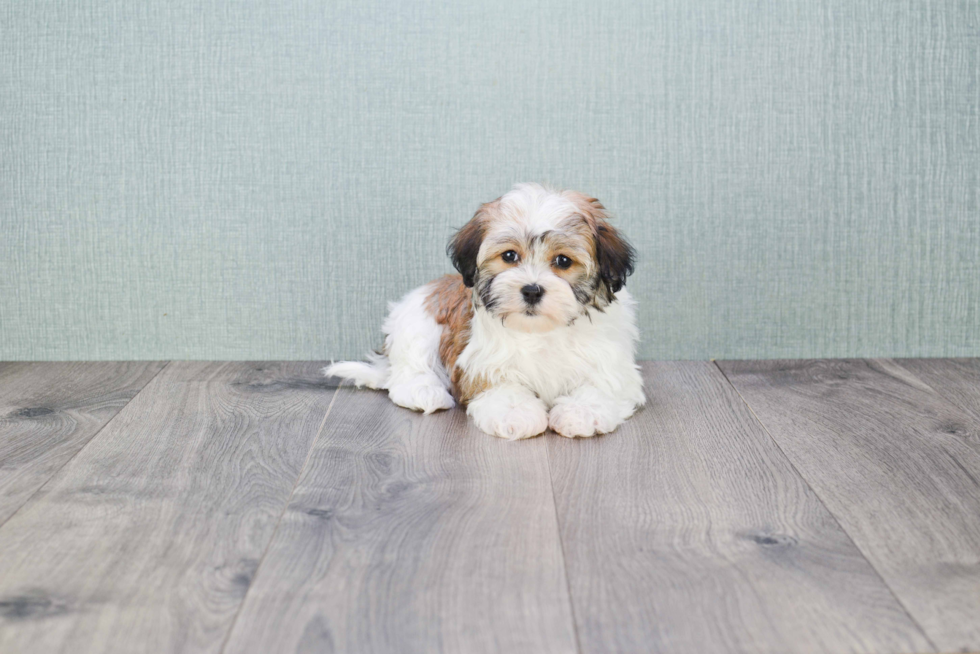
(538,259)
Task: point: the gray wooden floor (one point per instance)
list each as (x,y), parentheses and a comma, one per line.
(772,506)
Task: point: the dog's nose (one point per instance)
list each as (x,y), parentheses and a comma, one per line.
(532,293)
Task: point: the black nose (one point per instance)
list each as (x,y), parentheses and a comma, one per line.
(532,293)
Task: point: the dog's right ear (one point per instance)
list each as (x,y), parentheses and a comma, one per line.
(465,245)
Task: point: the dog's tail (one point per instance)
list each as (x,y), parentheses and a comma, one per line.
(373,373)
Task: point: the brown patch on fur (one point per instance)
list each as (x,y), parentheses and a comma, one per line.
(613,252)
(615,256)
(451,304)
(493,265)
(590,208)
(465,245)
(465,387)
(575,239)
(577,243)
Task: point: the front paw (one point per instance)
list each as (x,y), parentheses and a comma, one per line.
(577,421)
(522,421)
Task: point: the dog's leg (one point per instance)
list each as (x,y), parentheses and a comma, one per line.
(588,411)
(410,368)
(509,411)
(417,379)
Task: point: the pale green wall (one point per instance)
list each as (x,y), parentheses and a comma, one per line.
(255,179)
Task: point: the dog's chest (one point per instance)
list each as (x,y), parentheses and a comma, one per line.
(551,364)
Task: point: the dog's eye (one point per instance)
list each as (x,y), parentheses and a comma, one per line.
(563,262)
(509,256)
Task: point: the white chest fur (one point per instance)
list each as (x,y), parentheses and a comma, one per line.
(596,349)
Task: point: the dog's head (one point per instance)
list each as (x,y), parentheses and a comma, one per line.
(538,258)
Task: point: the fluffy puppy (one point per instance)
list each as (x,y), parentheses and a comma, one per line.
(536,331)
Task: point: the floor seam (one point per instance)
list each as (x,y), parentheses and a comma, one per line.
(561,550)
(85,444)
(829,511)
(275,530)
(956,403)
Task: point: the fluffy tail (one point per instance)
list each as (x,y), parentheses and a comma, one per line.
(373,373)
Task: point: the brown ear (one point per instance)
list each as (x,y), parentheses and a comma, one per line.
(615,256)
(465,245)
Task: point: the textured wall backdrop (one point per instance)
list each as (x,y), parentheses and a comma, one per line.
(255,179)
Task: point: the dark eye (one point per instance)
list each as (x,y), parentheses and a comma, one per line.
(509,256)
(563,262)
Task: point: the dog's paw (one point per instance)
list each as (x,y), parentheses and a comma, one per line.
(522,421)
(577,421)
(424,396)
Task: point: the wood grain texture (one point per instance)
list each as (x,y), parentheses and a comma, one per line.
(148,539)
(412,533)
(899,467)
(957,380)
(49,411)
(687,530)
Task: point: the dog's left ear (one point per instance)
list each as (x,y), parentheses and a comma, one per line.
(615,256)
(613,252)
(465,245)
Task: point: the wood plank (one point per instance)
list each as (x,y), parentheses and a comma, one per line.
(958,380)
(49,411)
(687,530)
(897,464)
(411,533)
(148,539)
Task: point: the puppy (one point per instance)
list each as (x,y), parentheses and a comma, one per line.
(536,331)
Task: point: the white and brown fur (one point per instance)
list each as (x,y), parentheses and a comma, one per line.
(536,331)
